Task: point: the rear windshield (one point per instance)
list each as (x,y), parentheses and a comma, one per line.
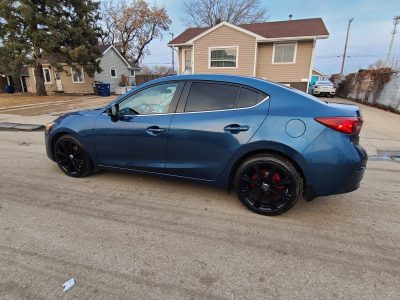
(324,83)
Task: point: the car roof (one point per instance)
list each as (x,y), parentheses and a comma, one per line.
(324,81)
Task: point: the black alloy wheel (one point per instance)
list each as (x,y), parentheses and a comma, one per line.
(268,184)
(71,157)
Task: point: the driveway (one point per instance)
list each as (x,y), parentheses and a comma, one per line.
(125,236)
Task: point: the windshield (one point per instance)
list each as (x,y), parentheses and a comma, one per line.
(324,83)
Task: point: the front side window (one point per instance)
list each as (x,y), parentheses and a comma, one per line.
(77,75)
(46,75)
(223,57)
(284,53)
(211,96)
(113,73)
(153,100)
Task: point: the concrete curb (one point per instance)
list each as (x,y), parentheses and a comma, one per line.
(22,127)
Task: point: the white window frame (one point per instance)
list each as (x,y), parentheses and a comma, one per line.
(223,48)
(116,76)
(83,75)
(284,63)
(44,75)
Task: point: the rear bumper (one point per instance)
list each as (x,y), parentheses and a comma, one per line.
(336,169)
(322,93)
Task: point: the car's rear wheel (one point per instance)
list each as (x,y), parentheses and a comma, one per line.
(268,184)
(71,156)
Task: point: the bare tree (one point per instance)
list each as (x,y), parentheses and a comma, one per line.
(131,25)
(207,13)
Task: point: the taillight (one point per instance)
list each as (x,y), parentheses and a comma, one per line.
(347,125)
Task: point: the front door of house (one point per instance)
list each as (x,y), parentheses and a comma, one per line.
(58,82)
(187,61)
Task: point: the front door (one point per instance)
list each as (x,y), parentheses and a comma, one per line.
(138,139)
(57,75)
(187,61)
(217,120)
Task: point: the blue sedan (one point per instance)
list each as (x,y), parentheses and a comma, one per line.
(270,143)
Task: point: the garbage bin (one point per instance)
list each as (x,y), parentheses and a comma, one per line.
(104,89)
(10,89)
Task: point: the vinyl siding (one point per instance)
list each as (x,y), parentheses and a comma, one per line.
(222,37)
(111,60)
(284,72)
(85,87)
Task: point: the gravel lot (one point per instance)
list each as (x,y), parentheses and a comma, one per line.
(125,236)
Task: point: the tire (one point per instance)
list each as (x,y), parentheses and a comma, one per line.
(268,184)
(71,157)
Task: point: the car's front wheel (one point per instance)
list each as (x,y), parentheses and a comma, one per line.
(71,156)
(268,184)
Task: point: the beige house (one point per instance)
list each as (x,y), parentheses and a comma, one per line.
(67,80)
(277,51)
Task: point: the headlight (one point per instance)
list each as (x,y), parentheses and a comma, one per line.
(48,127)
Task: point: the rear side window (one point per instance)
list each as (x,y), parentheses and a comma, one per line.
(211,96)
(249,98)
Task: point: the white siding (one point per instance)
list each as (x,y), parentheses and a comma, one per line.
(111,60)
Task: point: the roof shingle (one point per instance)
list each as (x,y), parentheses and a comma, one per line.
(278,29)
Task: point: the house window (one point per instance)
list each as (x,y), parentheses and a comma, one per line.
(77,75)
(46,75)
(284,53)
(132,73)
(113,73)
(223,57)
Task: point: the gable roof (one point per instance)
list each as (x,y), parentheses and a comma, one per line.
(105,48)
(304,28)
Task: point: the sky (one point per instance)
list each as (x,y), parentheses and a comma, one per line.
(369,37)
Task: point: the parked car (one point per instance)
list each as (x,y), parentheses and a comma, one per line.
(323,88)
(270,143)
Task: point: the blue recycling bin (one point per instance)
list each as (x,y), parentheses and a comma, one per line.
(10,89)
(104,89)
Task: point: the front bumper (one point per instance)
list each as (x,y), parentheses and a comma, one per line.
(47,142)
(332,93)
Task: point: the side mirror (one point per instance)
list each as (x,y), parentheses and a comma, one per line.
(114,112)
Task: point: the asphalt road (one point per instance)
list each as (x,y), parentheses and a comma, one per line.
(125,236)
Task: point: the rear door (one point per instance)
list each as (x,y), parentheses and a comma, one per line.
(212,121)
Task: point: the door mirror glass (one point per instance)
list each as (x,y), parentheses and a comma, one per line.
(114,112)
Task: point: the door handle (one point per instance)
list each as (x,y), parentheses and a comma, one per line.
(154,130)
(235,128)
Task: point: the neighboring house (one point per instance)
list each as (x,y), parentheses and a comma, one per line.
(277,51)
(116,70)
(67,80)
(317,76)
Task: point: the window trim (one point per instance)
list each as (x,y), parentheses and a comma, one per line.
(44,75)
(223,48)
(294,54)
(116,76)
(83,76)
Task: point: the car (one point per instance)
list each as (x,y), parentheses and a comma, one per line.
(270,143)
(323,88)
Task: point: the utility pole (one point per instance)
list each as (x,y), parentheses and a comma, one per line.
(345,46)
(396,20)
(173,54)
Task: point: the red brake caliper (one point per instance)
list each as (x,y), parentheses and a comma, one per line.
(276,178)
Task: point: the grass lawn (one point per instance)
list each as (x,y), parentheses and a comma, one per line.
(8,100)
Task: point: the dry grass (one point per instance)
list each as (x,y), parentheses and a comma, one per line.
(8,100)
